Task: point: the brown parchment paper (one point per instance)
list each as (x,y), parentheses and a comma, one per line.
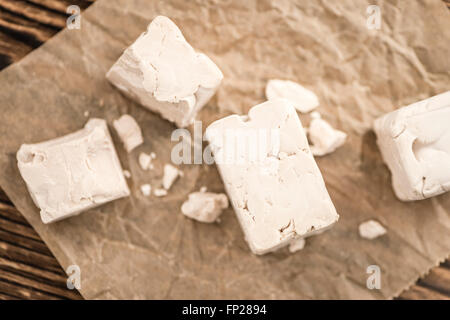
(144,247)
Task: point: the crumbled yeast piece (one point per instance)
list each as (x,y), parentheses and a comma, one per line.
(145,161)
(127,174)
(73,173)
(146,189)
(129,132)
(371,229)
(323,137)
(162,72)
(159,192)
(204,206)
(415,144)
(296,245)
(170,175)
(304,100)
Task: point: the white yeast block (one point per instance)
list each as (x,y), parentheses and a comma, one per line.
(163,73)
(415,144)
(73,173)
(273,181)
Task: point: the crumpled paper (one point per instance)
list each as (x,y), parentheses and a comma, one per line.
(143,247)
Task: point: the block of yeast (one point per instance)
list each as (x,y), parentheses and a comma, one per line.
(163,73)
(73,173)
(270,175)
(415,144)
